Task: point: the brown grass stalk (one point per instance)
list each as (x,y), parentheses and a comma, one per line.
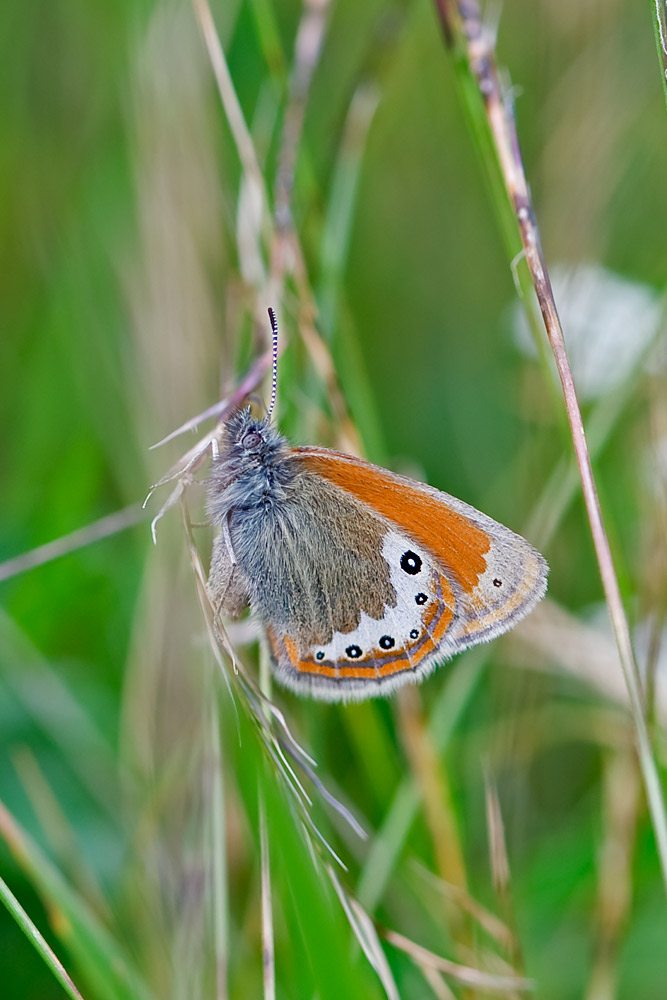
(466,36)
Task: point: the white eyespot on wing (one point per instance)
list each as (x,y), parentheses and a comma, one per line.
(415,582)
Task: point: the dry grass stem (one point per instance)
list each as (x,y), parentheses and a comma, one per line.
(622,807)
(500,868)
(434,979)
(487,921)
(463,974)
(431,778)
(584,651)
(366,934)
(280,237)
(113,524)
(464,31)
(268,942)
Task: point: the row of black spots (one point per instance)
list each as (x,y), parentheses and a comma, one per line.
(412,564)
(354,652)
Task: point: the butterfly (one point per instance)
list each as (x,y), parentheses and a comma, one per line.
(364,580)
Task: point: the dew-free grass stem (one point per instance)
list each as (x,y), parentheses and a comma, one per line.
(268,944)
(474,48)
(36,938)
(660,31)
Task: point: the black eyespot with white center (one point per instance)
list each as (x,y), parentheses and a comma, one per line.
(354,652)
(387,641)
(414,633)
(319,655)
(411,563)
(497,582)
(421,598)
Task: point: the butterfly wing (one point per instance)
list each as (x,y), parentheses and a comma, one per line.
(456,578)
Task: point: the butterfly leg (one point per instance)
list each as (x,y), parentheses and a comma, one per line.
(226,588)
(228,541)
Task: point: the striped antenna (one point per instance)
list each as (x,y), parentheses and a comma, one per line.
(274,366)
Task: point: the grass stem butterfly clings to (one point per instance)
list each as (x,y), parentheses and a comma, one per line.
(364,580)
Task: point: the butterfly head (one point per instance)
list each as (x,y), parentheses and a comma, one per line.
(250,469)
(249,440)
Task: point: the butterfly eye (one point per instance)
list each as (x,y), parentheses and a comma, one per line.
(252,441)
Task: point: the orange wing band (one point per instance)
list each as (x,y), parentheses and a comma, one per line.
(454,540)
(378,664)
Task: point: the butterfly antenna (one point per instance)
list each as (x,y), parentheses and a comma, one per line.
(274,365)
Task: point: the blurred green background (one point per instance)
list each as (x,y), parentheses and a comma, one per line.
(130,284)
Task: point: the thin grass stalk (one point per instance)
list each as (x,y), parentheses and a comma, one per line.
(307,48)
(621,806)
(464,975)
(37,940)
(112,524)
(366,934)
(434,979)
(483,919)
(432,779)
(231,104)
(57,712)
(391,836)
(561,488)
(278,240)
(500,868)
(99,955)
(659,13)
(268,942)
(218,847)
(58,831)
(464,32)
